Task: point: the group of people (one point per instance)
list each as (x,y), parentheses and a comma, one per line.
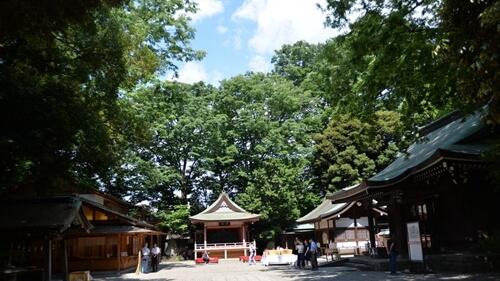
(150,258)
(307,251)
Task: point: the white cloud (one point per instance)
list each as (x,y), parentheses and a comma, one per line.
(237,40)
(195,71)
(192,72)
(221,29)
(259,64)
(206,9)
(283,22)
(215,77)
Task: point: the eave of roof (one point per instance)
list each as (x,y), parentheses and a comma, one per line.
(124,217)
(441,143)
(443,139)
(41,215)
(116,229)
(232,212)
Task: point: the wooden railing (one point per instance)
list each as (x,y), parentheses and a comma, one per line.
(234,245)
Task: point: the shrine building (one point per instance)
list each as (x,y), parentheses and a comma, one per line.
(223,229)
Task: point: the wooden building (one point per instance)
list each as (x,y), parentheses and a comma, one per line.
(223,229)
(72,233)
(347,224)
(439,196)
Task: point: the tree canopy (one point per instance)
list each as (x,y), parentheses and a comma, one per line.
(83,100)
(61,78)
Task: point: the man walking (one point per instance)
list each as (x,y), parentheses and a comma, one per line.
(251,259)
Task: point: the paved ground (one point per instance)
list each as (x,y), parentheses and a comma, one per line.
(236,271)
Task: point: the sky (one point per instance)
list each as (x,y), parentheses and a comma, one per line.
(241,35)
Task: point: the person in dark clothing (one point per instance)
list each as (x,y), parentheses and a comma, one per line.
(299,247)
(307,253)
(392,252)
(313,248)
(206,257)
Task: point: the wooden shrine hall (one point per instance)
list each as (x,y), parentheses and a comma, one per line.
(68,233)
(352,226)
(223,229)
(439,196)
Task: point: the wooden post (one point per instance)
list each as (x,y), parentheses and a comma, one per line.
(327,238)
(65,259)
(371,228)
(356,230)
(244,240)
(205,237)
(119,250)
(47,247)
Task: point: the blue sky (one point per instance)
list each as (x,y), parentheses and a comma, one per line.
(241,35)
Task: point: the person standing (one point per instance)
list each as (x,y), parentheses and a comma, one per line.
(251,259)
(314,254)
(307,253)
(145,259)
(299,247)
(331,249)
(155,257)
(392,252)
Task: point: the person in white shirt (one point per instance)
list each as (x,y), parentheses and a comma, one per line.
(251,259)
(145,252)
(155,257)
(300,255)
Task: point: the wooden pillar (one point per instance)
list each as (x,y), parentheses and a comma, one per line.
(243,230)
(371,227)
(205,236)
(64,243)
(119,250)
(397,225)
(47,248)
(356,230)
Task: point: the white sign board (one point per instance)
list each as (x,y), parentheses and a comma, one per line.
(414,242)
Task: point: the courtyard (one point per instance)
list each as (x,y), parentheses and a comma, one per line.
(236,271)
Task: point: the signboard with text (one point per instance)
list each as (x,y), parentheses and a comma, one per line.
(414,242)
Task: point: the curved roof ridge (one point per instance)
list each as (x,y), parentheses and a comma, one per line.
(231,211)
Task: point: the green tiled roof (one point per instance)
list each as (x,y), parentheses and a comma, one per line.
(446,138)
(224,209)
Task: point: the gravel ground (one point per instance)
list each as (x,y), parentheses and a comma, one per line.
(237,271)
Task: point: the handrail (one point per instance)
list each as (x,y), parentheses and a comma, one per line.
(223,245)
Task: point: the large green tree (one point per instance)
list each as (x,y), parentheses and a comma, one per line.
(350,150)
(61,76)
(420,56)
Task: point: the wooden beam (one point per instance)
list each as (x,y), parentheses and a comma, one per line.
(47,248)
(119,250)
(371,228)
(64,243)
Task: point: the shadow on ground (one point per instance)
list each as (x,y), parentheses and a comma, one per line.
(346,273)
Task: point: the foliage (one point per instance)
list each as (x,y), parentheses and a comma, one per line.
(296,61)
(60,79)
(349,150)
(421,56)
(176,220)
(251,138)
